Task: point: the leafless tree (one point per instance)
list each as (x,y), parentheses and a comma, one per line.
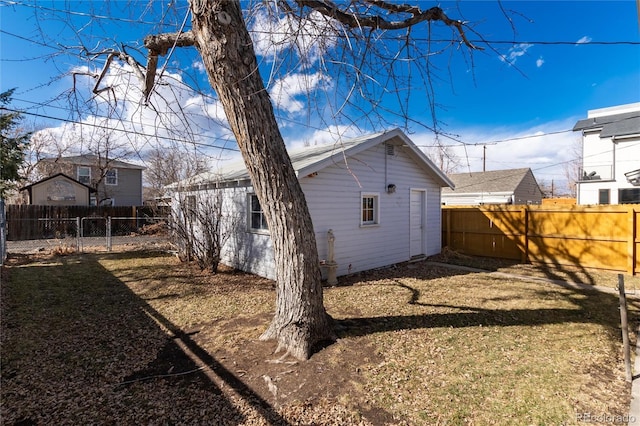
(220,34)
(444,157)
(364,50)
(167,165)
(573,167)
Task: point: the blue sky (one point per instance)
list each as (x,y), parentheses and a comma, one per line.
(549,62)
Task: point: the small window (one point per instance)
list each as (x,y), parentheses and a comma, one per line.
(111,177)
(84,175)
(369,209)
(604,196)
(629,196)
(257,220)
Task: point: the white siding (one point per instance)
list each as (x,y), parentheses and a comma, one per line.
(333,196)
(334,199)
(610,161)
(245,250)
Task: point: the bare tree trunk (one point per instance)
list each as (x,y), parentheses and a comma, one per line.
(226,48)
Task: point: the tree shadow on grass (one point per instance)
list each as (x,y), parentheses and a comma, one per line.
(588,306)
(79,347)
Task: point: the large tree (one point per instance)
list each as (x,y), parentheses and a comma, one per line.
(13,144)
(220,34)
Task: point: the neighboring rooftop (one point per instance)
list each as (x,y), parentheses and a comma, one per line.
(491,181)
(621,120)
(91,160)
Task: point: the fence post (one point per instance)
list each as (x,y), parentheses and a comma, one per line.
(449,228)
(3,233)
(81,233)
(108,232)
(525,234)
(624,325)
(631,242)
(78,231)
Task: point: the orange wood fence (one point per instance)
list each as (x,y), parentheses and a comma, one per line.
(600,237)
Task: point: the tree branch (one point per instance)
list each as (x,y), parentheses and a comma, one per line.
(356,20)
(159,45)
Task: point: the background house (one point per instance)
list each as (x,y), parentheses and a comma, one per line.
(116,183)
(512,186)
(59,190)
(379,194)
(610,172)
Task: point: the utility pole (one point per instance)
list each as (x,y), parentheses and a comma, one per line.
(484,158)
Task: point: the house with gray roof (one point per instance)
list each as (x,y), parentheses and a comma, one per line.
(379,195)
(610,172)
(115,182)
(512,186)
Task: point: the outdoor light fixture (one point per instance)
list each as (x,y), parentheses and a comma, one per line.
(391,188)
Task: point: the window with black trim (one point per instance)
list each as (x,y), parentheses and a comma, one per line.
(257,220)
(369,209)
(111,177)
(604,196)
(629,196)
(84,175)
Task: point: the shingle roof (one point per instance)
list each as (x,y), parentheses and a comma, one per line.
(492,181)
(612,125)
(91,160)
(311,159)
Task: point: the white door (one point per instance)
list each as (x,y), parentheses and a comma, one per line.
(416,222)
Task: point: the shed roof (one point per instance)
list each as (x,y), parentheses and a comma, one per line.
(505,181)
(309,160)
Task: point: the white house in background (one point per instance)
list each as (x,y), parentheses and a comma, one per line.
(610,172)
(379,194)
(511,186)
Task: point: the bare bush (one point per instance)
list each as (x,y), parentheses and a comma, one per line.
(200,228)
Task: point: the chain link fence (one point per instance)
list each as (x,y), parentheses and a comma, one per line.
(3,233)
(91,233)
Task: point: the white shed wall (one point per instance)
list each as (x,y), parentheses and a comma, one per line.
(334,198)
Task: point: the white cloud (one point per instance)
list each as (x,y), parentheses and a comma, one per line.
(583,40)
(176,115)
(540,62)
(309,37)
(328,135)
(199,66)
(285,91)
(515,52)
(545,148)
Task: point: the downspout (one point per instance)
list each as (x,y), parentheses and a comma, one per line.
(580,171)
(613,167)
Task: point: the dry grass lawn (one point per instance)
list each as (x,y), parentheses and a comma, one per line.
(135,337)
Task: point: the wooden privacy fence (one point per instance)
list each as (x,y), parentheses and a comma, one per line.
(601,237)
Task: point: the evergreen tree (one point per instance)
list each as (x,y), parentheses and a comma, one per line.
(13,143)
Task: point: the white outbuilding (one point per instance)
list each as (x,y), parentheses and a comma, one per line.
(379,195)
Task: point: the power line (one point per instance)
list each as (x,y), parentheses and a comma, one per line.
(98,126)
(76,13)
(132,123)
